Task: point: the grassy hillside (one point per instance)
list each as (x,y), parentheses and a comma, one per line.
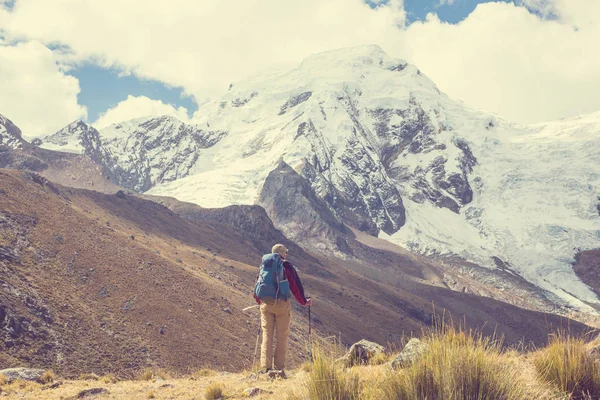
(457,365)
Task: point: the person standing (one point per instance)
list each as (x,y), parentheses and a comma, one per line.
(277,281)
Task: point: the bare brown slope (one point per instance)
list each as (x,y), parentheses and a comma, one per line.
(106,283)
(384,276)
(73,170)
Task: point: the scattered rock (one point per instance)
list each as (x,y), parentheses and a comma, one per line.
(26,374)
(360,353)
(90,392)
(274,374)
(413,350)
(166,386)
(251,392)
(55,385)
(227,310)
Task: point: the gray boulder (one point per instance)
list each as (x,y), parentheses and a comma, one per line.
(26,374)
(413,350)
(360,353)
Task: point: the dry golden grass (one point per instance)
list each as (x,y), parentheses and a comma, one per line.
(203,373)
(379,359)
(461,365)
(458,365)
(149,374)
(19,386)
(109,378)
(48,376)
(88,377)
(214,392)
(3,379)
(567,363)
(326,380)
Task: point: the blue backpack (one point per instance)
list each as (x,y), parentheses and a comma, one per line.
(270,282)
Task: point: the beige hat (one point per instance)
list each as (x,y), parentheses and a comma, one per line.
(279,249)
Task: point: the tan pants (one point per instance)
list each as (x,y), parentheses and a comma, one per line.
(274,316)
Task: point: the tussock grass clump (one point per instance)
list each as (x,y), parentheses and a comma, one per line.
(88,377)
(48,376)
(459,365)
(378,359)
(203,372)
(20,386)
(214,392)
(327,380)
(109,378)
(149,374)
(3,379)
(567,363)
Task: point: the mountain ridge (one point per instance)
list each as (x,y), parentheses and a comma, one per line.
(393,156)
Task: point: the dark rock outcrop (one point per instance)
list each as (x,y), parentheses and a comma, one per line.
(303,217)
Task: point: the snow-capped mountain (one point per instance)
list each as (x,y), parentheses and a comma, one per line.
(138,154)
(389,154)
(10,135)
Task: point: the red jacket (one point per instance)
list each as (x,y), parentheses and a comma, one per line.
(295,285)
(289,273)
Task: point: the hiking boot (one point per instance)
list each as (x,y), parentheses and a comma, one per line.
(277,373)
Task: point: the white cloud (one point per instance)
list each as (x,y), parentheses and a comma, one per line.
(501,58)
(203,45)
(142,106)
(506,60)
(34,93)
(446,2)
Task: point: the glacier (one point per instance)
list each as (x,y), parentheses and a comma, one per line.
(392,154)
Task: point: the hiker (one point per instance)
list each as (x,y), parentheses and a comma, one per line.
(277,281)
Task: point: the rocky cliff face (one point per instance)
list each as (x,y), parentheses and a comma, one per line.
(304,217)
(10,135)
(138,154)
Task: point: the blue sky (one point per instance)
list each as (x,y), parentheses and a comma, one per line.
(102,89)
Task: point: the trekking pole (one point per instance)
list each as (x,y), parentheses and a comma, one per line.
(309,338)
(256,346)
(257,334)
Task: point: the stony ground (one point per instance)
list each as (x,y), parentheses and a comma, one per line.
(235,386)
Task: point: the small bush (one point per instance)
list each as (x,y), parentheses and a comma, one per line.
(3,379)
(214,392)
(48,376)
(567,363)
(151,394)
